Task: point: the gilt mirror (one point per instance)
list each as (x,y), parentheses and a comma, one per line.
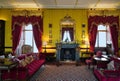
(67,33)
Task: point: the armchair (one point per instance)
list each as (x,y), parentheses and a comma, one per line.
(27,49)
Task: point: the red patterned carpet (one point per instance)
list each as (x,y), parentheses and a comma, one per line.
(65,72)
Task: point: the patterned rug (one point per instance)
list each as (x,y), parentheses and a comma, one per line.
(64,72)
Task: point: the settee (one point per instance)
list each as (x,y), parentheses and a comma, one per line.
(109,74)
(28,64)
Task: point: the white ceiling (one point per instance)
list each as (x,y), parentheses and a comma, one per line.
(60,4)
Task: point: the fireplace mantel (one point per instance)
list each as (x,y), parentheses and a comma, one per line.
(72,48)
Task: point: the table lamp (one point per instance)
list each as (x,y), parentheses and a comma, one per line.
(45,43)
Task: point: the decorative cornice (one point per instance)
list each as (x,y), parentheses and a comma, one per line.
(27,12)
(103,12)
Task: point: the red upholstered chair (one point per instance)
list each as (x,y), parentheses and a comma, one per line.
(109,74)
(27,49)
(99,63)
(90,61)
(99,54)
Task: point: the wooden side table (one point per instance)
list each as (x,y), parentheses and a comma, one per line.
(7,67)
(86,53)
(49,55)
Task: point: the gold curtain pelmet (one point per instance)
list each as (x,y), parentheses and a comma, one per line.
(103,12)
(27,12)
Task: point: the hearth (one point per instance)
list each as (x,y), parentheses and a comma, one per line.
(67,54)
(67,51)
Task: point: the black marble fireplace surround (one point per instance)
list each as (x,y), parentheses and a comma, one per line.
(67,51)
(67,54)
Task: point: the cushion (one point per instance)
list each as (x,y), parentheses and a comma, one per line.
(31,58)
(27,60)
(117,64)
(16,60)
(23,63)
(110,65)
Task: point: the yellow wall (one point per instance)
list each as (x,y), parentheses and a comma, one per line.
(54,16)
(51,16)
(5,14)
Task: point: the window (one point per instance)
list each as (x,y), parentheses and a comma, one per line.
(103,36)
(28,38)
(66,36)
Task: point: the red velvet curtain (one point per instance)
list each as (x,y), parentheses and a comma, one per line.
(94,21)
(17,23)
(114,27)
(93,34)
(114,35)
(16,34)
(37,32)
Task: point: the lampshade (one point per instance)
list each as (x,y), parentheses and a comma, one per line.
(45,43)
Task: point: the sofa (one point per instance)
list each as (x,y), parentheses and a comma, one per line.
(28,64)
(112,73)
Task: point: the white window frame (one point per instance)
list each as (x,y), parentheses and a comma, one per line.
(33,41)
(107,36)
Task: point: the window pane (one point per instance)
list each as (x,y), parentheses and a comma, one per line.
(28,37)
(66,36)
(101,27)
(96,44)
(102,39)
(28,27)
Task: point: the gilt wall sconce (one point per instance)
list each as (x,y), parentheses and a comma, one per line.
(83,37)
(50,33)
(83,34)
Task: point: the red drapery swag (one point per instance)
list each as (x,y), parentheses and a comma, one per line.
(94,21)
(17,23)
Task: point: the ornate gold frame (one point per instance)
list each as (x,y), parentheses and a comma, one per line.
(67,21)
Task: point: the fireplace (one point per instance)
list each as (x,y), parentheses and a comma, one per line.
(67,51)
(67,54)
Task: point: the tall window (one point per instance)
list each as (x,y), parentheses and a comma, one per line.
(28,38)
(103,36)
